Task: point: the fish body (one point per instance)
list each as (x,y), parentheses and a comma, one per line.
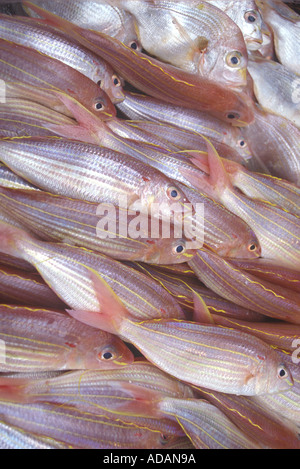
(285,25)
(67,271)
(20,64)
(38,340)
(198,38)
(53,43)
(275,88)
(247,17)
(62,219)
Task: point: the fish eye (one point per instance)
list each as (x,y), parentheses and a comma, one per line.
(252,247)
(282,372)
(179,248)
(234,59)
(99,106)
(251,16)
(106,355)
(133,45)
(116,80)
(233,115)
(173,193)
(164,439)
(242,143)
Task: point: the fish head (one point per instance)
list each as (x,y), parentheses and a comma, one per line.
(244,246)
(166,201)
(272,375)
(111,83)
(102,350)
(101,105)
(170,251)
(250,22)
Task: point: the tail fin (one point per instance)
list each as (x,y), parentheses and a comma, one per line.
(112,311)
(201,311)
(11,239)
(14,390)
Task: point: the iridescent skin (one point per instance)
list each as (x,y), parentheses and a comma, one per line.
(160,80)
(196,37)
(39,36)
(27,66)
(79,223)
(38,340)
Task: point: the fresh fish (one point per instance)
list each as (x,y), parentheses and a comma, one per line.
(99,15)
(246,289)
(285,25)
(183,290)
(248,18)
(81,429)
(53,43)
(267,270)
(15,438)
(94,174)
(206,425)
(159,80)
(26,288)
(220,358)
(66,269)
(11,180)
(253,420)
(277,230)
(141,107)
(279,334)
(21,64)
(263,187)
(38,340)
(79,223)
(198,38)
(274,145)
(20,118)
(275,88)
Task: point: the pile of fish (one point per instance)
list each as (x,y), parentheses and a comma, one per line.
(120,119)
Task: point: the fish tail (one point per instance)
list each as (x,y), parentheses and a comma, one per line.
(111,312)
(11,239)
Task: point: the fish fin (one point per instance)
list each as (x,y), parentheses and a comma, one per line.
(72,131)
(49,18)
(14,390)
(89,126)
(111,312)
(10,236)
(201,311)
(143,401)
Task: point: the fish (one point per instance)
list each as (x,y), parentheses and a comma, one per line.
(97,15)
(66,269)
(183,290)
(26,288)
(246,289)
(21,117)
(277,230)
(199,38)
(285,25)
(10,180)
(53,43)
(254,420)
(264,187)
(82,430)
(12,437)
(39,340)
(97,174)
(20,64)
(245,364)
(247,17)
(206,425)
(275,88)
(274,145)
(62,219)
(162,81)
(137,106)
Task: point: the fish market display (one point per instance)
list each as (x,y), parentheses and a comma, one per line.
(149,224)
